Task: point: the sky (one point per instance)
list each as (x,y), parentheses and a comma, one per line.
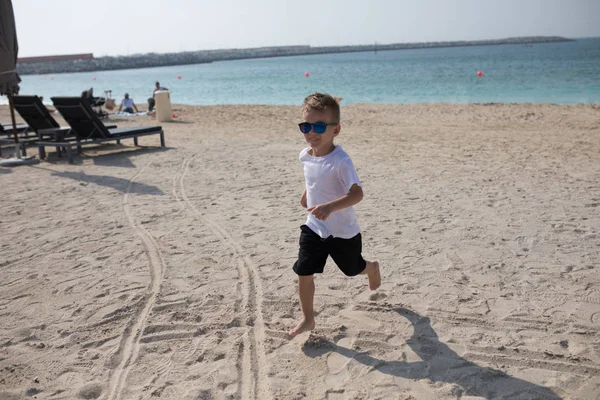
(125,27)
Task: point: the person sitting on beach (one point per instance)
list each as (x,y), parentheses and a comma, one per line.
(127,105)
(151,101)
(332,188)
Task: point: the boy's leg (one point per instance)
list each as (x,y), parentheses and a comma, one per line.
(372,272)
(306,290)
(312,256)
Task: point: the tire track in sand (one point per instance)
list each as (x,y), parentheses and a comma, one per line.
(254,364)
(130,343)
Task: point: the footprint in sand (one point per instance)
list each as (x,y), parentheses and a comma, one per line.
(340,363)
(377,296)
(337,366)
(92,390)
(336,362)
(361,318)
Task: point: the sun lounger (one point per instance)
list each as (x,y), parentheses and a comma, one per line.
(35,113)
(39,119)
(88,129)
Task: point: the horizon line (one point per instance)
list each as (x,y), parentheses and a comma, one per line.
(312,47)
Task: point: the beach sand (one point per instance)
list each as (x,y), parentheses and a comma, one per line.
(150,273)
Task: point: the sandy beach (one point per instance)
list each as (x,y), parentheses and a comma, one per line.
(165,273)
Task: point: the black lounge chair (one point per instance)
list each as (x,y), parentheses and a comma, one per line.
(88,128)
(35,113)
(39,119)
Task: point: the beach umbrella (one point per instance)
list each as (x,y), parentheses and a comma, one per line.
(9,48)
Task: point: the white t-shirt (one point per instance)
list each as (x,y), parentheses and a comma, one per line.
(128,103)
(328,178)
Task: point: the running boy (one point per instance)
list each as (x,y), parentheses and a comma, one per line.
(332,188)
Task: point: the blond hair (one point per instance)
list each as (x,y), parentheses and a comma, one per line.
(322,102)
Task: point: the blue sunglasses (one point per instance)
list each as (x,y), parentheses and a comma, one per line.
(318,127)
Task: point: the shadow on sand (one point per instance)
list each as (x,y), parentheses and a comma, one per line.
(118,184)
(117,157)
(441,364)
(121,158)
(176,121)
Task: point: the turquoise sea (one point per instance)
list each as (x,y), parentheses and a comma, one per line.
(562,73)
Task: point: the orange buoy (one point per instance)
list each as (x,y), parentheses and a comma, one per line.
(479,73)
(178,76)
(94,78)
(306,74)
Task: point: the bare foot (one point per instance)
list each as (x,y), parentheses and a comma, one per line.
(303,326)
(373,275)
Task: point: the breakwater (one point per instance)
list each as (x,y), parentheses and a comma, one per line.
(150,60)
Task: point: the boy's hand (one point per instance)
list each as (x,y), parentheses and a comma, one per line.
(321,211)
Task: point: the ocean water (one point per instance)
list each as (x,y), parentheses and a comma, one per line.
(562,73)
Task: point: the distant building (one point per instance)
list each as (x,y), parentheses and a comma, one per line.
(65,57)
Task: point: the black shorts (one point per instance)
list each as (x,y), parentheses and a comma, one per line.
(314,251)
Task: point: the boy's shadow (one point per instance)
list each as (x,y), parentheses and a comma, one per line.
(441,364)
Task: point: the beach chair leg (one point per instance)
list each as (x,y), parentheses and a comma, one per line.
(162,139)
(42,152)
(23,149)
(118,141)
(135,142)
(59,151)
(69,154)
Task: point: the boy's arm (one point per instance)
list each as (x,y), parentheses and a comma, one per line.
(322,211)
(303,199)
